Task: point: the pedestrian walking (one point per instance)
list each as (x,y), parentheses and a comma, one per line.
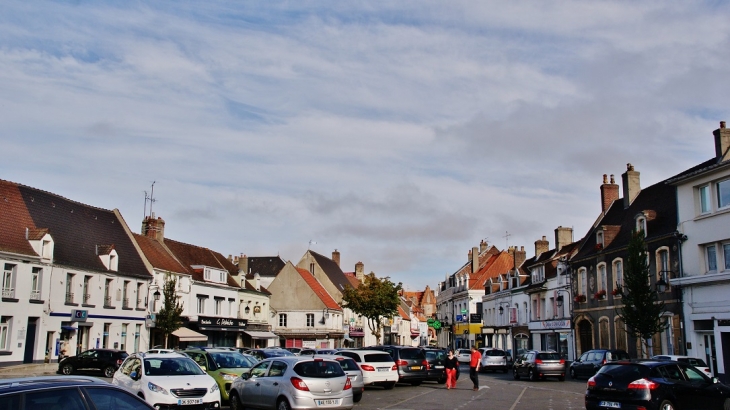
(63,351)
(474,364)
(451,365)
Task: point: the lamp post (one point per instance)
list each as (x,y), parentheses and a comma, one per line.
(501,313)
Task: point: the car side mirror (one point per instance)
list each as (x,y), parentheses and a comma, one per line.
(715,380)
(135,375)
(245,376)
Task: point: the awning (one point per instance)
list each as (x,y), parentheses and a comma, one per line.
(69,328)
(348,339)
(260,335)
(187,335)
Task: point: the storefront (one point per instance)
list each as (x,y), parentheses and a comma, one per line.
(357,334)
(221,331)
(553,335)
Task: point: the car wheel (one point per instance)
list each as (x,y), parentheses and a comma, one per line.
(416,383)
(389,386)
(666,405)
(726,406)
(109,371)
(531,375)
(356,398)
(235,401)
(283,404)
(515,374)
(572,374)
(67,369)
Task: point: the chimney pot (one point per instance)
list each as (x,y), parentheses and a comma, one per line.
(609,193)
(722,141)
(336,257)
(722,124)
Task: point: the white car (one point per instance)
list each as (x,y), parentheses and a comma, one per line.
(698,363)
(164,379)
(463,355)
(378,367)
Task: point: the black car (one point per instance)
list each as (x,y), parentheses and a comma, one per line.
(653,385)
(106,361)
(411,362)
(436,364)
(67,393)
(589,362)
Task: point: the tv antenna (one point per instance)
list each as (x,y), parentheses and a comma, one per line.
(310,244)
(149,198)
(506,239)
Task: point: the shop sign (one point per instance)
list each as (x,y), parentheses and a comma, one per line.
(222,322)
(549,324)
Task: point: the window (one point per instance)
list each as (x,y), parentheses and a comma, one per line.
(723,194)
(282,320)
(599,240)
(46,249)
(231,306)
(663,264)
(603,333)
(69,287)
(35,283)
(602,277)
(310,319)
(123,344)
(140,300)
(86,289)
(311,268)
(621,334)
(583,281)
(538,274)
(704,193)
(218,306)
(201,304)
(618,273)
(5,333)
(711,255)
(641,225)
(137,329)
(108,292)
(125,295)
(105,335)
(726,255)
(8,281)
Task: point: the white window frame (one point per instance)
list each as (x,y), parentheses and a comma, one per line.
(721,186)
(726,255)
(583,282)
(662,264)
(5,322)
(618,273)
(282,320)
(602,277)
(641,224)
(310,319)
(8,280)
(218,306)
(704,196)
(710,259)
(201,304)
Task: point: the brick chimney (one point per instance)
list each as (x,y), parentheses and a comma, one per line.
(563,236)
(474,259)
(360,272)
(520,256)
(541,245)
(153,228)
(483,246)
(722,140)
(336,257)
(243,265)
(609,193)
(631,185)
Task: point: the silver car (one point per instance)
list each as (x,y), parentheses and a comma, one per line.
(353,371)
(293,382)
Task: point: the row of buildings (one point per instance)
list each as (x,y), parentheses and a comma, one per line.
(568,297)
(77,273)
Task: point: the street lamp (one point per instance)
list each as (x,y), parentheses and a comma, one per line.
(156,295)
(661,285)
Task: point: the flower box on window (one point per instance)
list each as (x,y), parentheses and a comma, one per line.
(598,246)
(601,294)
(580,298)
(617,291)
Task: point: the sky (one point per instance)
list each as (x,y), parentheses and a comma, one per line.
(399,133)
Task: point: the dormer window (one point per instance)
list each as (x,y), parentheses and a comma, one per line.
(108,256)
(641,224)
(538,274)
(41,242)
(213,274)
(599,240)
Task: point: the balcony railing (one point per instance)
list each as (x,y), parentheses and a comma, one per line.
(8,292)
(107,301)
(35,295)
(87,297)
(69,297)
(125,303)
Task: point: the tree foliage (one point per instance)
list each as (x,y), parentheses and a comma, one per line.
(642,310)
(376,299)
(169,317)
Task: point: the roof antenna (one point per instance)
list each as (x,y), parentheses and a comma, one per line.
(150,199)
(310,244)
(506,240)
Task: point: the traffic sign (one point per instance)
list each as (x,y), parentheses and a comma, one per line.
(464,311)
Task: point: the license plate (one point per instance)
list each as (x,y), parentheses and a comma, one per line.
(329,402)
(610,404)
(438,367)
(383,369)
(185,402)
(415,367)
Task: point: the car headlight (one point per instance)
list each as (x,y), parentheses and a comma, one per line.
(214,388)
(229,377)
(155,388)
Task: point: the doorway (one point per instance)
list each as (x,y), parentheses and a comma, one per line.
(585,333)
(30,338)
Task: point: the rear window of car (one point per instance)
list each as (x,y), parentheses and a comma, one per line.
(321,369)
(378,358)
(693,361)
(548,356)
(624,372)
(464,351)
(495,352)
(611,356)
(347,364)
(411,354)
(435,355)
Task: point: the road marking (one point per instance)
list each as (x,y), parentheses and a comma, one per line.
(518,399)
(409,398)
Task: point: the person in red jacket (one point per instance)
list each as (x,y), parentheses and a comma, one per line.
(476,359)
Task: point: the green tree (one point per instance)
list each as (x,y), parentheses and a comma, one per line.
(376,299)
(169,317)
(642,310)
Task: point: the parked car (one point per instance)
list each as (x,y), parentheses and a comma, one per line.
(436,364)
(223,365)
(106,361)
(493,360)
(294,350)
(167,380)
(378,367)
(160,350)
(293,382)
(411,362)
(654,385)
(66,392)
(261,354)
(353,371)
(698,363)
(463,356)
(591,361)
(536,365)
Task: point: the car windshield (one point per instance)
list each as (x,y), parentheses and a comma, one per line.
(173,366)
(231,360)
(378,358)
(320,369)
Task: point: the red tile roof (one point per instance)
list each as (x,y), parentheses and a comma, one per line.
(190,255)
(159,256)
(318,289)
(14,219)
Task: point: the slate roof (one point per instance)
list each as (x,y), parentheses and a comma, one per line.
(77,229)
(191,255)
(265,266)
(332,270)
(318,289)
